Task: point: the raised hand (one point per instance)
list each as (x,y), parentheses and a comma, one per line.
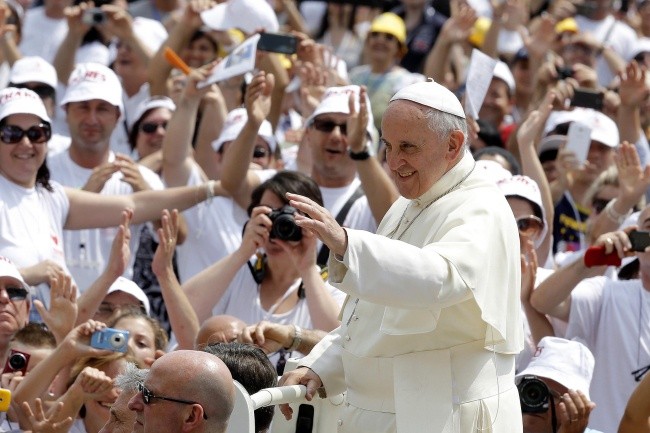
(321,222)
(258,97)
(633,89)
(46,423)
(61,316)
(120,249)
(131,173)
(167,234)
(357,122)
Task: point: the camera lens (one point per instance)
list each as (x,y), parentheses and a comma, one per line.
(284,225)
(17,361)
(117,340)
(98,17)
(533,395)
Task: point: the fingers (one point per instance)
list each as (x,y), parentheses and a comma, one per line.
(305,205)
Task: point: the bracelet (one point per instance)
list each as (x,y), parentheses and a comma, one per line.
(613,215)
(209,190)
(297,338)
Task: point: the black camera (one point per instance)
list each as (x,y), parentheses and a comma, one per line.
(564,72)
(284,224)
(534,395)
(93,16)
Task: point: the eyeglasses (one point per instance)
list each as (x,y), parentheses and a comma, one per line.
(599,204)
(148,395)
(329,125)
(12,134)
(42,90)
(16,293)
(151,127)
(386,36)
(260,152)
(530,226)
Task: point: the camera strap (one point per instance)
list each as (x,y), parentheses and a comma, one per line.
(324,252)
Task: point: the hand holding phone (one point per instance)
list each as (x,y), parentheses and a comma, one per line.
(640,240)
(579,141)
(588,98)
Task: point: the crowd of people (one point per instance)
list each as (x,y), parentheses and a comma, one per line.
(347,204)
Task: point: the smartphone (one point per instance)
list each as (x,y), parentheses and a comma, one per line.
(578,140)
(16,361)
(116,340)
(278,43)
(93,16)
(5,399)
(639,239)
(588,98)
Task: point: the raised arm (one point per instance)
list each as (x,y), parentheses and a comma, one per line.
(378,187)
(182,317)
(235,178)
(633,90)
(64,60)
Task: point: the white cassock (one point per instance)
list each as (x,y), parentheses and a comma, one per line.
(430,330)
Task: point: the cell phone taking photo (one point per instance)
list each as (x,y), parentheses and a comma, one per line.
(588,98)
(640,240)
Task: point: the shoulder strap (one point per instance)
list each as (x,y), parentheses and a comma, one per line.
(324,252)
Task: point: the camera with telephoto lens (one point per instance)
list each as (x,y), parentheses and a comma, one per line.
(284,224)
(534,395)
(110,339)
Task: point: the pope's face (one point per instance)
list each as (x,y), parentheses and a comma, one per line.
(416,156)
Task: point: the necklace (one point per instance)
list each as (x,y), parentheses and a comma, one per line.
(408,226)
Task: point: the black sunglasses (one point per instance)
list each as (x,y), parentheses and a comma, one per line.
(148,395)
(530,226)
(329,125)
(16,293)
(12,134)
(151,127)
(42,90)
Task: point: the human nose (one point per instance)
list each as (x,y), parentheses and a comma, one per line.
(136,403)
(4,296)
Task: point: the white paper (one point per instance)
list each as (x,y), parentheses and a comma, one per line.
(479,76)
(239,61)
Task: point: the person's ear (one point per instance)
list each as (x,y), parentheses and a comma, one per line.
(455,144)
(193,419)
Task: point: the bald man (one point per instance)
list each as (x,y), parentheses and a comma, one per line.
(219,329)
(185,391)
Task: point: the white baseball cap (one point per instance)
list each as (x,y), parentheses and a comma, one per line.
(493,170)
(431,94)
(526,188)
(33,69)
(568,362)
(603,129)
(246,15)
(8,269)
(641,45)
(502,72)
(21,101)
(91,81)
(127,286)
(233,125)
(337,100)
(152,103)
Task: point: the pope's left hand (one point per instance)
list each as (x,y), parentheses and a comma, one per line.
(320,222)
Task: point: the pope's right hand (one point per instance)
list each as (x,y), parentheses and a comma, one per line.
(300,376)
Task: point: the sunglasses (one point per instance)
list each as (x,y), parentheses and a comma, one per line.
(386,36)
(599,204)
(151,127)
(530,226)
(16,293)
(42,90)
(12,134)
(329,125)
(148,395)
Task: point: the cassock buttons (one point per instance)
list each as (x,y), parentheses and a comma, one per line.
(339,422)
(347,338)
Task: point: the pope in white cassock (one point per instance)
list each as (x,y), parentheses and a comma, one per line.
(431,326)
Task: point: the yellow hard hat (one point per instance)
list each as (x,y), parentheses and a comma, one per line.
(479,30)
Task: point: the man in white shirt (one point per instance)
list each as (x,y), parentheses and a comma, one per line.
(93,104)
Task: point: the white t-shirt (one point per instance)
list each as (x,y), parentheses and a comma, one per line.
(31,227)
(613,319)
(87,251)
(42,36)
(359,217)
(621,39)
(214,231)
(241,300)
